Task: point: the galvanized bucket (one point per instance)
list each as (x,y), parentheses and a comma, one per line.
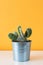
(21,51)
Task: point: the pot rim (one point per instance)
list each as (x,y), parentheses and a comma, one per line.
(23,41)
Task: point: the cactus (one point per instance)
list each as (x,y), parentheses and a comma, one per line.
(28,32)
(13,36)
(21,36)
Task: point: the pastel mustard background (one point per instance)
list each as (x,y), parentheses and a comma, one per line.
(27,13)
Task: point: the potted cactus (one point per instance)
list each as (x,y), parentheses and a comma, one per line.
(21,44)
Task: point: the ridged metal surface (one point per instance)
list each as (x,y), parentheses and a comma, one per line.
(21,51)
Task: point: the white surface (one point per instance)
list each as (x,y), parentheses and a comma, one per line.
(6,58)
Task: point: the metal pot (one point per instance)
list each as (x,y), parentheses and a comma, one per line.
(21,50)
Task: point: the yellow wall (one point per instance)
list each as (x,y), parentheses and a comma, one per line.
(27,13)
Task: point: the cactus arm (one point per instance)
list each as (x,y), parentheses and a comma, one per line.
(12,36)
(28,32)
(21,33)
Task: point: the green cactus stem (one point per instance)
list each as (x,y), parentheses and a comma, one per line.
(21,33)
(13,36)
(28,32)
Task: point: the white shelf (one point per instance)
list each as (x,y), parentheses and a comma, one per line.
(6,58)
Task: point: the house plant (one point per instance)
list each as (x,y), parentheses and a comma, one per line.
(21,45)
